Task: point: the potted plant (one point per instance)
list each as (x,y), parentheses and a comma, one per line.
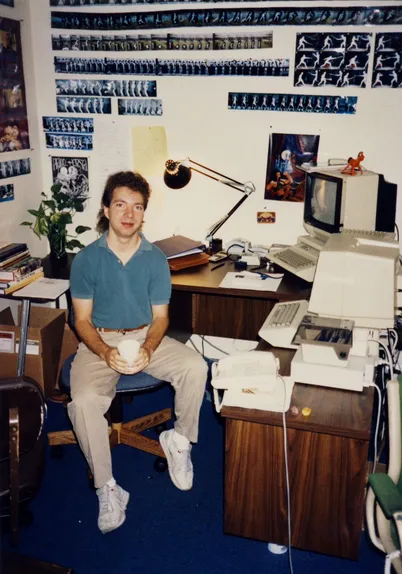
(52,218)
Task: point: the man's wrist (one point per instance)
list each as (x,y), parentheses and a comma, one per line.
(148,349)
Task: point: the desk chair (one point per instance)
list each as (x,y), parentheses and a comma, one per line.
(384,496)
(128,433)
(22,448)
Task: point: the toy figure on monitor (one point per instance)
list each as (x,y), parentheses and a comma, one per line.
(354,164)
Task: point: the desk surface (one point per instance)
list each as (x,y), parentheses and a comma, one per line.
(202,280)
(333,411)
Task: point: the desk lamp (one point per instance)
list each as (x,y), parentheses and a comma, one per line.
(178,174)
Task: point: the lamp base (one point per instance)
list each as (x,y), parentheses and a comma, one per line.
(215,245)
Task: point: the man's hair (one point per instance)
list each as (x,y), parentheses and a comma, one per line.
(130,179)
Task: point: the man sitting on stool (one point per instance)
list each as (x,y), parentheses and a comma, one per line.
(121,287)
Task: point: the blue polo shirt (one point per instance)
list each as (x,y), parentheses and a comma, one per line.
(122,294)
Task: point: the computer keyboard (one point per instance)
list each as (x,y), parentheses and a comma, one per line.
(293,260)
(281,324)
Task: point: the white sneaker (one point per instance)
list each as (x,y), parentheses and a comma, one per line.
(123,496)
(179,461)
(112,505)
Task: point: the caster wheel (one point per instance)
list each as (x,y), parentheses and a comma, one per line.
(57,451)
(160,428)
(160,464)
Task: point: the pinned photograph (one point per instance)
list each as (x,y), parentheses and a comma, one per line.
(140,107)
(332,59)
(72,174)
(387,66)
(69,141)
(68,125)
(81,105)
(14,168)
(292,103)
(285,181)
(6,192)
(266,217)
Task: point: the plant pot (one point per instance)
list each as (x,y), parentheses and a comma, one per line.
(57,241)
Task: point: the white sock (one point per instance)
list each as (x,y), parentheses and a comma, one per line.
(111,483)
(180,440)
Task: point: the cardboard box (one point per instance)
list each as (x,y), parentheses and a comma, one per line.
(69,346)
(45,336)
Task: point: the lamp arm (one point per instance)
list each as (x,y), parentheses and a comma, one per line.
(246,188)
(214,228)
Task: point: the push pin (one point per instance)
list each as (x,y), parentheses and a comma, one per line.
(306,412)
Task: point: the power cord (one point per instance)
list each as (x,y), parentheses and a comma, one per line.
(285,449)
(377,426)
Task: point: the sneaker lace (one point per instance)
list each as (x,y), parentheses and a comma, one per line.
(104,501)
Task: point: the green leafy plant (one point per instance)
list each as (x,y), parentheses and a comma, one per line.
(52,218)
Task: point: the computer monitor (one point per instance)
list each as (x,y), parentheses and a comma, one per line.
(335,201)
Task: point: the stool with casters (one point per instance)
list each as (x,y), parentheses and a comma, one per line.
(128,433)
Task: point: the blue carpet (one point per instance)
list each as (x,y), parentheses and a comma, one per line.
(166,530)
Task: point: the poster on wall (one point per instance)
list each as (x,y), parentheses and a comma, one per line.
(7,3)
(287,152)
(6,192)
(122,88)
(330,59)
(72,174)
(387,66)
(13,113)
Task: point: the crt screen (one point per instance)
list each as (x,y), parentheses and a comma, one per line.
(323,200)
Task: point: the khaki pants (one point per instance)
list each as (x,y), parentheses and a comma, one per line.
(93,387)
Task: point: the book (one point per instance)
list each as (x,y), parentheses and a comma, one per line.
(18,270)
(14,259)
(15,285)
(10,250)
(178,245)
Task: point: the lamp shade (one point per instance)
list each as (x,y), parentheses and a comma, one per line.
(176,174)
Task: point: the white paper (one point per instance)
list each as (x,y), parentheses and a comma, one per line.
(249,280)
(44,288)
(6,342)
(32,347)
(184,253)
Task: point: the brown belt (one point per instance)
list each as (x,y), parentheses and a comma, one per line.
(123,331)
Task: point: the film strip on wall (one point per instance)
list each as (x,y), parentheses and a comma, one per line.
(157,67)
(159,42)
(292,103)
(317,16)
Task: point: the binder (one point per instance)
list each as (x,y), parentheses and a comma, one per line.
(178,246)
(178,263)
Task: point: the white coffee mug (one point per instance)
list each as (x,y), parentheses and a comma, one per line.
(129,349)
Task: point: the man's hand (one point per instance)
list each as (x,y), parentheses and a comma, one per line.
(142,360)
(116,362)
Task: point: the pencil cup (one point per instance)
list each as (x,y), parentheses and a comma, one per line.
(129,350)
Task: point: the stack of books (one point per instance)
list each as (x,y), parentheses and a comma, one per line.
(17,267)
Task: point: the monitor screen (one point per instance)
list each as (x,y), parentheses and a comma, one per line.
(323,200)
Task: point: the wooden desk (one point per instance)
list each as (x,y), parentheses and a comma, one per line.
(327,457)
(200,306)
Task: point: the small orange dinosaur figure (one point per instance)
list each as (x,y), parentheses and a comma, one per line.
(354,164)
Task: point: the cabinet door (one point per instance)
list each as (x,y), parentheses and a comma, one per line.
(327,476)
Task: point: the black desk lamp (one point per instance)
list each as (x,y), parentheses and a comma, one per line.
(178,174)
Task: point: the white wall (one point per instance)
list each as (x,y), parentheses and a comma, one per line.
(198,124)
